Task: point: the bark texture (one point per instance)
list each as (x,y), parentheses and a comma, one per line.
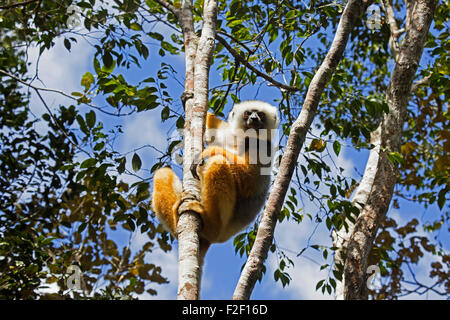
(295,142)
(198,61)
(199,51)
(342,236)
(419,16)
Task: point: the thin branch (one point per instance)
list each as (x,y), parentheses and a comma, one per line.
(235,40)
(424,287)
(169,7)
(395,32)
(294,144)
(421,82)
(236,67)
(240,59)
(58,124)
(388,8)
(63,94)
(47,108)
(158,19)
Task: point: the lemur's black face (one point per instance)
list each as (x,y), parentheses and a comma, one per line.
(254,119)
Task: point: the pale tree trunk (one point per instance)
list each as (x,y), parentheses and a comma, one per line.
(418,19)
(199,52)
(266,229)
(341,237)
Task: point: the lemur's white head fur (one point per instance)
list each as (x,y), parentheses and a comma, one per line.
(236,116)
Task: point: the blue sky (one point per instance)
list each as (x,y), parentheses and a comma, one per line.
(61,70)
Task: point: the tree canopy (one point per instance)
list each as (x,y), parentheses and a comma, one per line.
(70,196)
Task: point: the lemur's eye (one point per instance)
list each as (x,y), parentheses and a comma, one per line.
(246,114)
(261,115)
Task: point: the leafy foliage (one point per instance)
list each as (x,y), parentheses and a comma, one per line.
(62,190)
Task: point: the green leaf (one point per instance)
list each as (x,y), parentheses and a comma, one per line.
(142,187)
(136,162)
(67,44)
(317,145)
(180,122)
(325,253)
(319,284)
(337,147)
(122,205)
(328,223)
(80,175)
(165,113)
(90,119)
(46,117)
(173,144)
(99,146)
(87,80)
(333,190)
(121,166)
(135,26)
(131,224)
(333,283)
(155,167)
(143,214)
(88,163)
(96,64)
(84,4)
(395,158)
(338,274)
(82,124)
(82,227)
(145,52)
(107,60)
(441,198)
(151,79)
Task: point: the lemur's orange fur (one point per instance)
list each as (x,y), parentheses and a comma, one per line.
(232,190)
(212,122)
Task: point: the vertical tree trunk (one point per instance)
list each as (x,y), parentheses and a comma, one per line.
(198,61)
(341,237)
(189,222)
(295,142)
(419,16)
(199,52)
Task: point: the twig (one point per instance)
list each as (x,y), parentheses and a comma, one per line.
(63,94)
(235,40)
(57,123)
(46,107)
(395,32)
(239,58)
(236,67)
(424,81)
(169,7)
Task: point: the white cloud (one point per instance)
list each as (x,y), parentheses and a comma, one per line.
(291,238)
(169,265)
(168,261)
(143,129)
(57,69)
(305,276)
